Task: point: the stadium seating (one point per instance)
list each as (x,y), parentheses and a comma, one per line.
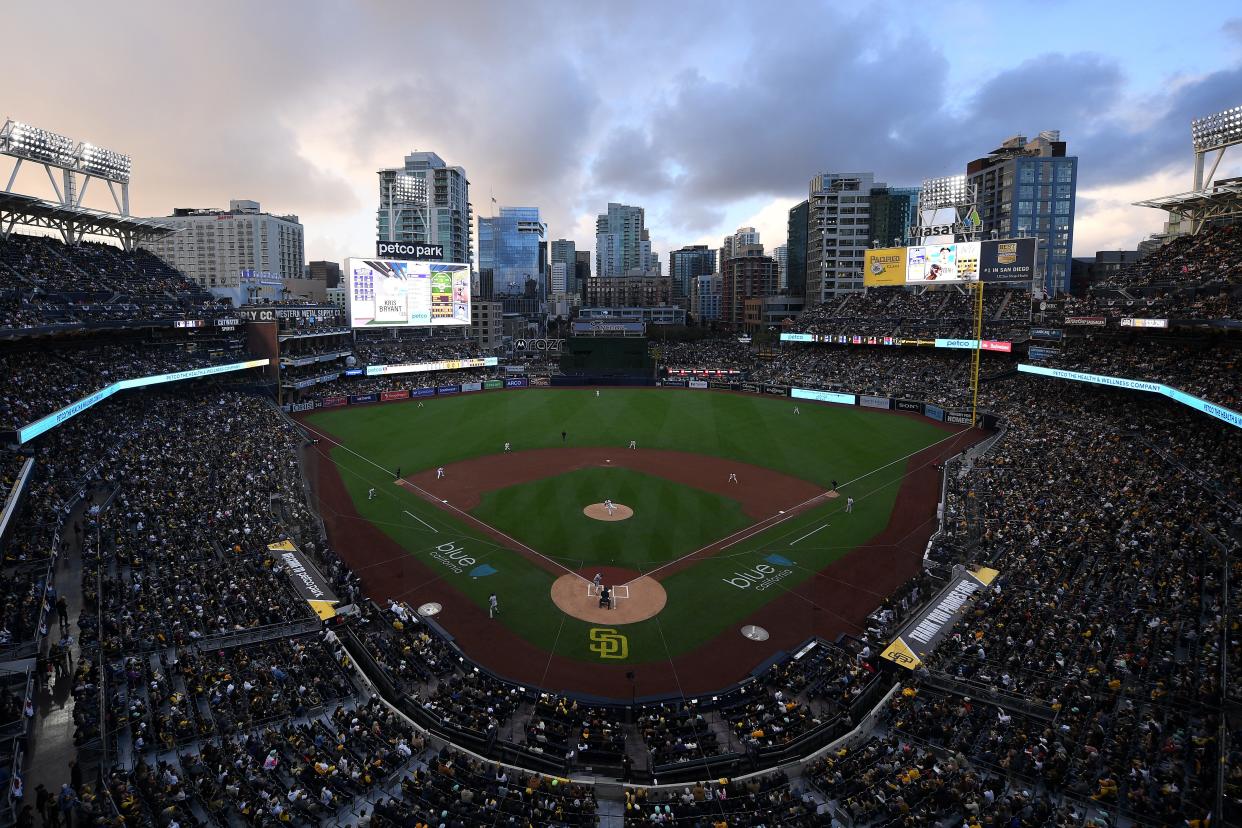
(1091,678)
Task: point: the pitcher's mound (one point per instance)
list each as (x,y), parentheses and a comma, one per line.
(636,601)
(619,512)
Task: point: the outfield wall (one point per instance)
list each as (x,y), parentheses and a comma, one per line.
(987,420)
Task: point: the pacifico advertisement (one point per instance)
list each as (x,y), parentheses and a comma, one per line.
(885,266)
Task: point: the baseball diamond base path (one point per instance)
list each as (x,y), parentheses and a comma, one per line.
(834,601)
(635,597)
(761,492)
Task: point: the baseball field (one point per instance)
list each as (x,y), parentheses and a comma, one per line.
(721,515)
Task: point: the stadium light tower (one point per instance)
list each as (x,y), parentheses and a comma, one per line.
(1217,133)
(54,151)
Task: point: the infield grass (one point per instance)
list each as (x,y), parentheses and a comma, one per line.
(669,519)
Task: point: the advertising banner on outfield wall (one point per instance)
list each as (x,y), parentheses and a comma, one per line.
(868,401)
(490,384)
(307,581)
(698,384)
(387,396)
(471,386)
(958,417)
(673,383)
(918,638)
(732,386)
(358,399)
(333,402)
(423,392)
(1010,260)
(933,411)
(884,266)
(776,390)
(821,396)
(448,389)
(302,406)
(908,405)
(751,388)
(516,382)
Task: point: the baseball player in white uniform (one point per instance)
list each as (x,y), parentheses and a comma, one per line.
(610,507)
(440,472)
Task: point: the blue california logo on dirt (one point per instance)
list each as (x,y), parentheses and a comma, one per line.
(771,571)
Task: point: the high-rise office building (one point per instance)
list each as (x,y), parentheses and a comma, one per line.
(781,254)
(705,298)
(327,272)
(1029,188)
(564,251)
(582,269)
(221,248)
(426,201)
(620,234)
(513,259)
(742,236)
(747,274)
(799,216)
(560,275)
(838,233)
(686,264)
(894,210)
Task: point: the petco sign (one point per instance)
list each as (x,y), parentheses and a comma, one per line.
(408,250)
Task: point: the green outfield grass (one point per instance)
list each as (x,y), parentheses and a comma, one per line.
(669,519)
(866,451)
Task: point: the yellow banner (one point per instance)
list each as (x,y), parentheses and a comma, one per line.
(885,266)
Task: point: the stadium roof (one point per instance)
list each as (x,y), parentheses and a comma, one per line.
(1221,200)
(29,211)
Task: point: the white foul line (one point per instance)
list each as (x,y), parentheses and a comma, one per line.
(792,511)
(808,534)
(423,522)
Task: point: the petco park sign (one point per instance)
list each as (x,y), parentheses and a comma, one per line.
(408,250)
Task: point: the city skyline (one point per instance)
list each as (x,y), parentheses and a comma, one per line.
(303,125)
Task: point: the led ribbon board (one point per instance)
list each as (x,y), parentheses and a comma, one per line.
(54,419)
(1227,415)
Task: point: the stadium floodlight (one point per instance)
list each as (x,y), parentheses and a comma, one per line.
(104,163)
(26,141)
(1218,130)
(409,188)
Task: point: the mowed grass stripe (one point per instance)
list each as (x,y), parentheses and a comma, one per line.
(670,520)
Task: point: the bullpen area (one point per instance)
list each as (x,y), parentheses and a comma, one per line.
(629,535)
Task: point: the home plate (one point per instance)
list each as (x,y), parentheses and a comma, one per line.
(755,633)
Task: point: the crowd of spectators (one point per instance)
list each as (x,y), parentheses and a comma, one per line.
(713,353)
(1089,677)
(35,381)
(44,282)
(400,350)
(937,376)
(757,801)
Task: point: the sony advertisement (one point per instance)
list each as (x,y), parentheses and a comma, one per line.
(398,293)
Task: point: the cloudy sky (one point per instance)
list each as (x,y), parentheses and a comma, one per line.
(710,115)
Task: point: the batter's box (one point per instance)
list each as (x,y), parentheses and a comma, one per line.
(618,592)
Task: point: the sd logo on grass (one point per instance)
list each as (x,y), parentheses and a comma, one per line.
(609,643)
